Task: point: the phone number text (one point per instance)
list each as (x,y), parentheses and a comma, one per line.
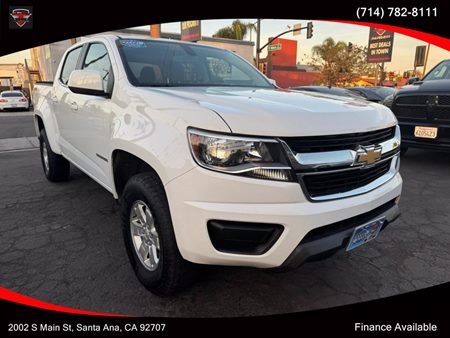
(381,12)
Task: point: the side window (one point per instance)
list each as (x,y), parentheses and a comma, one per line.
(69,64)
(97,59)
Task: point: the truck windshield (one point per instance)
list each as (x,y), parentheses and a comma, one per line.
(441,72)
(156,63)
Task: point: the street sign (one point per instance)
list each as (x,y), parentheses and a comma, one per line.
(299,27)
(191,30)
(419,59)
(381,43)
(274,47)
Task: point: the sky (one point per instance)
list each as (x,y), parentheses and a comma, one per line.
(402,56)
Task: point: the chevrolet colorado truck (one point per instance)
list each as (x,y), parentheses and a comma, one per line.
(423,110)
(211,163)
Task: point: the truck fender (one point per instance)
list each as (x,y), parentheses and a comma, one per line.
(42,111)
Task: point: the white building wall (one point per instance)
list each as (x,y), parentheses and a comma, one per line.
(49,57)
(246,51)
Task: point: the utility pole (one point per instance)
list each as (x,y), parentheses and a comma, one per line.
(258,37)
(377,68)
(155,31)
(381,74)
(426,60)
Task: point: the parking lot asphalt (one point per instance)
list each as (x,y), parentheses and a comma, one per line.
(62,243)
(16,124)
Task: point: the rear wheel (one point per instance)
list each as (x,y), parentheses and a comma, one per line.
(149,237)
(56,168)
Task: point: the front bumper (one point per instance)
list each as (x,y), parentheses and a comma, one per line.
(201,195)
(442,142)
(337,235)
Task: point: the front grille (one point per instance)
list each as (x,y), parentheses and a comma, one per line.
(343,181)
(441,113)
(411,112)
(444,100)
(416,108)
(412,100)
(310,144)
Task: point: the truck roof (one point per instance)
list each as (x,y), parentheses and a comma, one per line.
(113,37)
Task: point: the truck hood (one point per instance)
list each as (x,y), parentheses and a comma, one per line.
(277,112)
(426,87)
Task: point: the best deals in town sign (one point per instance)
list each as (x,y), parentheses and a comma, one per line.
(191,30)
(381,43)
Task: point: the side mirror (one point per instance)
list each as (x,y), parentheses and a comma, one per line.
(87,82)
(411,80)
(272,81)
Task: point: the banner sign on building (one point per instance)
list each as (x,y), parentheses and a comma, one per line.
(380,45)
(191,30)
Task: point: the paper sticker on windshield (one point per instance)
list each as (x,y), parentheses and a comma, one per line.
(133,43)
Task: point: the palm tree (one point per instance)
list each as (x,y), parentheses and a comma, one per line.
(225,32)
(237,30)
(329,55)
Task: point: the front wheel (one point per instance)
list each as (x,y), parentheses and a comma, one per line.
(149,237)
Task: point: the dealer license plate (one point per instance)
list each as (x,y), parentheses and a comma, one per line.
(365,233)
(425,132)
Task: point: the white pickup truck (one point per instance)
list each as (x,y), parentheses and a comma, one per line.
(211,162)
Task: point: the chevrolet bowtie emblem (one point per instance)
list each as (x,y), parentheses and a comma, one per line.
(368,155)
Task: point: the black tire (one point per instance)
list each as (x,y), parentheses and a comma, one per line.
(172,273)
(58,169)
(403,150)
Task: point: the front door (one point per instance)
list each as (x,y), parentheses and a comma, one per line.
(91,118)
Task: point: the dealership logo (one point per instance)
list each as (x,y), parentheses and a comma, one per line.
(21,17)
(368,155)
(432,102)
(380,31)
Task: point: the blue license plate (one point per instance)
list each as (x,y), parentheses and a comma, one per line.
(365,233)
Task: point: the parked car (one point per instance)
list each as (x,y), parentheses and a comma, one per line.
(374,94)
(211,163)
(13,99)
(423,110)
(328,90)
(388,100)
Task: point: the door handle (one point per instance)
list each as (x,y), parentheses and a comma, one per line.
(55,99)
(73,106)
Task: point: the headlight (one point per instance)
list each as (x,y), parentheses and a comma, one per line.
(388,100)
(245,156)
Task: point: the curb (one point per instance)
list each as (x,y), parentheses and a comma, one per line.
(11,144)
